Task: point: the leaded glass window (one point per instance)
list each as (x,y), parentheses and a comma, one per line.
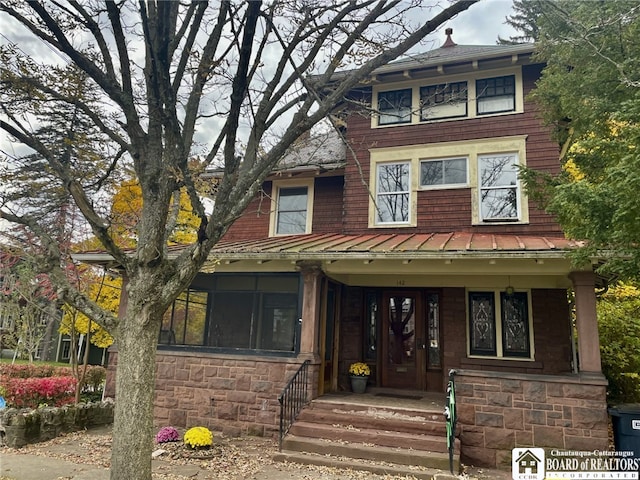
(433,325)
(482,326)
(515,325)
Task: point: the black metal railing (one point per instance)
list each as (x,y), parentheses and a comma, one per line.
(292,399)
(451,417)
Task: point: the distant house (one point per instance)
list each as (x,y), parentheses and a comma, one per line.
(415,250)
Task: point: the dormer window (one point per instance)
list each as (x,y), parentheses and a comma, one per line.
(394,107)
(445,100)
(496,95)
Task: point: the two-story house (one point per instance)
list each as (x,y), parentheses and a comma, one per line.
(411,246)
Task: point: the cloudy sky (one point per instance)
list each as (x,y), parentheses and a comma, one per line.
(482,23)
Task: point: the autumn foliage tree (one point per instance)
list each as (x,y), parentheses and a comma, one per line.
(147,86)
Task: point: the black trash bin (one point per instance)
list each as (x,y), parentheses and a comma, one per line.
(626,428)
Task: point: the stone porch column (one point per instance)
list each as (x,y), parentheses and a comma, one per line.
(311,274)
(586,322)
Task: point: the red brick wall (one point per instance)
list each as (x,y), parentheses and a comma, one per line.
(499,412)
(449,210)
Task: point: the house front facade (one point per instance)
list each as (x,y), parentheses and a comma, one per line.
(407,242)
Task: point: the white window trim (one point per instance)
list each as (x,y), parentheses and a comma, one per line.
(470,78)
(498,324)
(275,195)
(434,151)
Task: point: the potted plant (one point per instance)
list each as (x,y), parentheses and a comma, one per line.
(359,373)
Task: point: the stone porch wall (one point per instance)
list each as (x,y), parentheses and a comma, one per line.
(226,393)
(499,411)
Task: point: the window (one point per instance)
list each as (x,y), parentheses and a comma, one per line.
(394,107)
(184,322)
(498,186)
(445,172)
(292,210)
(236,312)
(291,207)
(496,95)
(446,100)
(392,194)
(401,178)
(502,330)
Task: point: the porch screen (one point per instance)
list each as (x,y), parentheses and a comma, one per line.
(236,312)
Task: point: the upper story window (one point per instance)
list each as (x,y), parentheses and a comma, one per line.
(443,172)
(499,325)
(464,95)
(292,206)
(394,107)
(486,167)
(498,187)
(445,100)
(496,95)
(392,192)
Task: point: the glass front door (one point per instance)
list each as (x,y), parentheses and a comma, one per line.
(410,340)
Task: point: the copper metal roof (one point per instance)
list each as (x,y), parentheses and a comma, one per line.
(403,245)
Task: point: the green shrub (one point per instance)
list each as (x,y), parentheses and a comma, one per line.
(619,326)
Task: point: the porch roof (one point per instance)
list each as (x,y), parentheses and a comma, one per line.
(395,245)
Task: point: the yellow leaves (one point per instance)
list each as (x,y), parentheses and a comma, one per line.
(572,170)
(624,291)
(106,292)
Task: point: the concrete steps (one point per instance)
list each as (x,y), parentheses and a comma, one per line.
(379,439)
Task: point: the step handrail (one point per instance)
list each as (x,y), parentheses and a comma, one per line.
(451,416)
(292,399)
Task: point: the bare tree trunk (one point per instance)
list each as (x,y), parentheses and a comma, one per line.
(135,379)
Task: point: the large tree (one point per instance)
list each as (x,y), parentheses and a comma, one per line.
(590,95)
(149,85)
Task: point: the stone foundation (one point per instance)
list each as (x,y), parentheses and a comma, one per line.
(229,393)
(499,411)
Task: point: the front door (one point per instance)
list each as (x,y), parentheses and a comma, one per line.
(411,342)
